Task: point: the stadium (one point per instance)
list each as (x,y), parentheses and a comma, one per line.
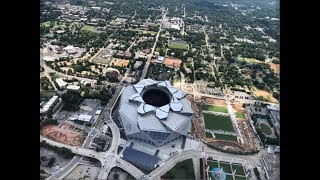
(154,112)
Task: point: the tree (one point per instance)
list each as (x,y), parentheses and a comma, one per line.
(115,176)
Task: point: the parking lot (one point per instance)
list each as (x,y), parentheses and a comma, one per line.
(87,107)
(59,160)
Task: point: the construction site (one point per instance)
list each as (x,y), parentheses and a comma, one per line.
(227,141)
(64,133)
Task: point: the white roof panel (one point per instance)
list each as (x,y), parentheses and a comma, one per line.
(141,109)
(176,106)
(148,108)
(164,108)
(161,114)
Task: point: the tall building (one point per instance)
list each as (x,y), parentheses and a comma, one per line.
(154,112)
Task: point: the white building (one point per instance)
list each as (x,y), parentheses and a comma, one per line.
(49,104)
(61,83)
(84,117)
(73,87)
(98,112)
(159,60)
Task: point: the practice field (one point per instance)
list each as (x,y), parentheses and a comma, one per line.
(240,115)
(228,168)
(239,168)
(182,170)
(265,128)
(225,137)
(217,122)
(178,46)
(215,108)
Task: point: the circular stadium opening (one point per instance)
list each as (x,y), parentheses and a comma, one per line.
(156,97)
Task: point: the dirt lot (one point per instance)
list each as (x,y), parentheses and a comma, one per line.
(214,101)
(266,94)
(172,62)
(275,67)
(236,105)
(66,134)
(119,62)
(197,123)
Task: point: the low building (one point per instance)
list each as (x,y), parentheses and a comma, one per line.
(137,64)
(98,112)
(47,106)
(241,95)
(113,73)
(159,60)
(274,113)
(73,87)
(61,83)
(85,118)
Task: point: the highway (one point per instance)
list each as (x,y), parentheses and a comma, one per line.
(146,67)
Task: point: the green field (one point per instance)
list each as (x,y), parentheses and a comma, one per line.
(226,167)
(213,121)
(183,170)
(239,168)
(215,108)
(265,128)
(240,115)
(178,46)
(226,137)
(209,135)
(87,28)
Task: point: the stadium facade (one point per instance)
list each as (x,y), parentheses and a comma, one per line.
(154,112)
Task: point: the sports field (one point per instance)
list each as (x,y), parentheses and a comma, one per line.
(240,115)
(217,122)
(178,46)
(228,168)
(225,137)
(215,108)
(265,128)
(87,28)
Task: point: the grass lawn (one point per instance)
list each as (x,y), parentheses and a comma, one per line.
(183,170)
(213,121)
(226,167)
(240,115)
(87,28)
(265,128)
(239,168)
(226,137)
(209,135)
(215,108)
(178,46)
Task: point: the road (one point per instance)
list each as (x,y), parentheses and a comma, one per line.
(253,160)
(146,67)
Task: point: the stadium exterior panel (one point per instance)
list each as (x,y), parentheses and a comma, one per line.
(154,112)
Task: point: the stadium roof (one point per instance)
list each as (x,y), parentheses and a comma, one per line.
(172,116)
(140,159)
